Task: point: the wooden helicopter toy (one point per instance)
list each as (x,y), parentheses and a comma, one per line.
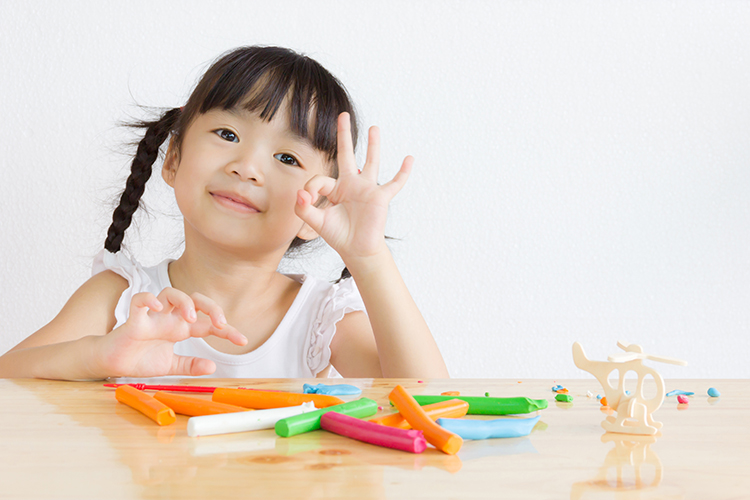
(634,411)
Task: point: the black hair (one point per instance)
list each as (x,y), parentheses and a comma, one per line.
(257,79)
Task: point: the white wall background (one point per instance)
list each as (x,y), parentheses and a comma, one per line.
(582,167)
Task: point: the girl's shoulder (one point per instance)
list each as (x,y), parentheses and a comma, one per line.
(327,297)
(140,279)
(136,278)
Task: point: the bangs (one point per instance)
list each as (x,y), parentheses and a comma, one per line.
(262,79)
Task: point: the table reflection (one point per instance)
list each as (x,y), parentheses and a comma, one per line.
(631,471)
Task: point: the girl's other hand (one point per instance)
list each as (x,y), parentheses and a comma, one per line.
(143,345)
(353,220)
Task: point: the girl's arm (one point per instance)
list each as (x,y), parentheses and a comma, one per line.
(405,346)
(353,224)
(62,348)
(80,344)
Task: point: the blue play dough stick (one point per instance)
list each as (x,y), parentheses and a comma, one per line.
(333,390)
(487,429)
(679,393)
(713,392)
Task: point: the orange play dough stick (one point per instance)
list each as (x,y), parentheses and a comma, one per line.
(264,400)
(443,440)
(195,407)
(453,408)
(139,400)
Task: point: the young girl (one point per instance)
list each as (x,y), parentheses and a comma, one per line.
(261,160)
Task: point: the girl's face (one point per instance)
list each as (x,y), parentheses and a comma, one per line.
(236,180)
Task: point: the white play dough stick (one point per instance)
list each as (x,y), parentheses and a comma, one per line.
(226,423)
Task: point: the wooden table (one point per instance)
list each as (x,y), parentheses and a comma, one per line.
(73,440)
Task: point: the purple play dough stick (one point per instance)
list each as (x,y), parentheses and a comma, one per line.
(390,437)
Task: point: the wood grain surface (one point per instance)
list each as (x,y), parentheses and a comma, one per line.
(74,440)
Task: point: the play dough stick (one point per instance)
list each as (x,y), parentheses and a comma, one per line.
(486,429)
(244,421)
(380,435)
(261,399)
(153,409)
(443,440)
(194,407)
(490,406)
(453,408)
(361,408)
(179,388)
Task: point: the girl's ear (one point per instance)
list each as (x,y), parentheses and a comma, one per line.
(169,168)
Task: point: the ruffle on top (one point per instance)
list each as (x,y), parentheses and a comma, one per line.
(342,298)
(129,269)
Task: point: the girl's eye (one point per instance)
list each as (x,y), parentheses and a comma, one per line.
(287,159)
(227,135)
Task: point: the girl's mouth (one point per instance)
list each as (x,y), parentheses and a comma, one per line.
(234,202)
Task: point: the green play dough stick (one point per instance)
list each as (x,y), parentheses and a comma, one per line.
(564,398)
(479,405)
(291,426)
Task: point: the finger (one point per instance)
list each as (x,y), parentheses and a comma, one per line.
(320,185)
(204,329)
(143,302)
(211,308)
(308,212)
(392,187)
(372,162)
(345,152)
(189,365)
(177,299)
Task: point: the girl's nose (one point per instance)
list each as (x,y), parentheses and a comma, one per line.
(248,168)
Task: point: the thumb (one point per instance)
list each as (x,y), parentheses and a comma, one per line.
(188,365)
(309,213)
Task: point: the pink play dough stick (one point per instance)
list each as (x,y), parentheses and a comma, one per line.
(390,437)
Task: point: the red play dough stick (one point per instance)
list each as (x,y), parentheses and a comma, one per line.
(180,388)
(381,435)
(262,399)
(453,408)
(176,388)
(443,440)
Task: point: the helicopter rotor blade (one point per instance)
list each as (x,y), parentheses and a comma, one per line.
(665,359)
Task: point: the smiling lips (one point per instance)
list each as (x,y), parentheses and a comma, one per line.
(234,201)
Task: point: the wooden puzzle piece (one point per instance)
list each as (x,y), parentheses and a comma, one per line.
(634,411)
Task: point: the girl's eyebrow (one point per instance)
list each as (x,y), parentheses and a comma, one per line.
(303,140)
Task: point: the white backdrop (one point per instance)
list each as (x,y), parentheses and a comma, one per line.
(582,167)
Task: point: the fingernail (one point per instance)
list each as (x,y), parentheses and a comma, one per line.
(191,314)
(222,320)
(300,200)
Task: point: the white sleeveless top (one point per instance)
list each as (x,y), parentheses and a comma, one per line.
(300,346)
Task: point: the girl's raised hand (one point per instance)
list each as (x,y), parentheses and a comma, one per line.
(143,345)
(353,220)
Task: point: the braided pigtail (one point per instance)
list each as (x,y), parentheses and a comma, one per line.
(344,274)
(140,171)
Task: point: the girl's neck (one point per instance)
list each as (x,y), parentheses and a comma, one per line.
(233,283)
